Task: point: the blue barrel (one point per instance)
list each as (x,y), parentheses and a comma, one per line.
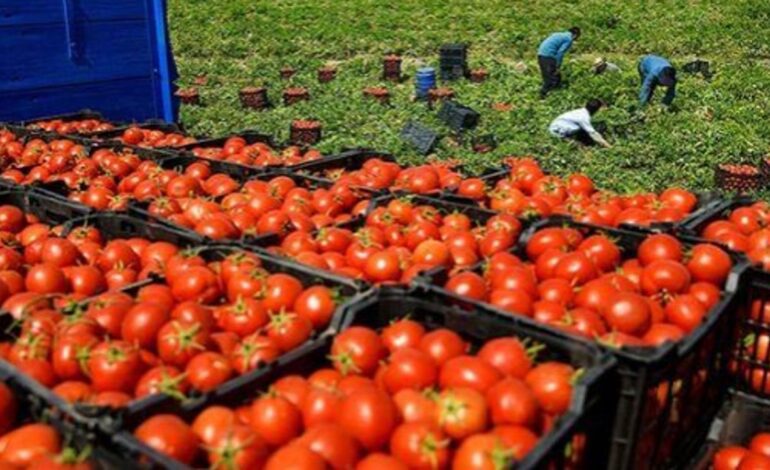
(425,80)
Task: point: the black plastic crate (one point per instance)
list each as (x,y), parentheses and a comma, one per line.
(749,354)
(647,433)
(110,421)
(420,137)
(376,310)
(453,50)
(452,72)
(741,417)
(458,117)
(152,124)
(708,203)
(125,226)
(140,209)
(348,160)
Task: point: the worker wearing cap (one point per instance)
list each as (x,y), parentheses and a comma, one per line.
(550,55)
(576,125)
(653,71)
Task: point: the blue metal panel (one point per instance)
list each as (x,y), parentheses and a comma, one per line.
(111,56)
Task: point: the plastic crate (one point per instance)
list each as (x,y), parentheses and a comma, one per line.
(420,137)
(708,202)
(653,426)
(741,417)
(111,56)
(590,396)
(749,355)
(125,226)
(458,117)
(111,421)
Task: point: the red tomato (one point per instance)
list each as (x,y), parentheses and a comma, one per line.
(461,412)
(357,349)
(370,416)
(276,420)
(420,446)
(169,435)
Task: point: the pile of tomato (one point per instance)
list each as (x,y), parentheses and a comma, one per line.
(204,323)
(154,138)
(401,238)
(744,230)
(755,456)
(66,127)
(404,397)
(259,154)
(380,174)
(585,285)
(32,445)
(527,191)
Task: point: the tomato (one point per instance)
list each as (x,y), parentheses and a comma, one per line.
(402,334)
(467,284)
(627,313)
(442,344)
(333,443)
(239,447)
(410,368)
(357,349)
(382,266)
(482,452)
(709,263)
(575,267)
(378,461)
(468,371)
(254,351)
(665,276)
(161,379)
(517,439)
(281,291)
(142,324)
(292,387)
(602,251)
(415,406)
(46,278)
(659,333)
(178,341)
(295,456)
(551,383)
(511,402)
(420,446)
(208,370)
(729,458)
(320,405)
(26,443)
(196,283)
(288,330)
(368,415)
(507,355)
(659,247)
(68,355)
(244,317)
(753,461)
(317,304)
(275,419)
(760,444)
(461,412)
(212,423)
(114,366)
(59,252)
(686,312)
(169,435)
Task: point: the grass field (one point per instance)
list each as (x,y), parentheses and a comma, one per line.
(243,42)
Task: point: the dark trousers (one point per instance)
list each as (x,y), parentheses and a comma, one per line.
(583,137)
(549,69)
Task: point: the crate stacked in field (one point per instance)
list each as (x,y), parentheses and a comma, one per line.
(739,178)
(667,319)
(402,237)
(326,371)
(453,61)
(739,437)
(457,117)
(526,190)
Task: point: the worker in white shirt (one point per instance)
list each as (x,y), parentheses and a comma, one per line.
(601,65)
(576,125)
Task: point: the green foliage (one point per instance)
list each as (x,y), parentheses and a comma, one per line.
(241,42)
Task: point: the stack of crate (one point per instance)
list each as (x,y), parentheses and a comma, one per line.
(453,61)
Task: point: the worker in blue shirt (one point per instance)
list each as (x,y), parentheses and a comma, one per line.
(653,71)
(550,55)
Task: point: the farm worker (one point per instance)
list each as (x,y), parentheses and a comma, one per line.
(653,71)
(550,55)
(601,65)
(576,125)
